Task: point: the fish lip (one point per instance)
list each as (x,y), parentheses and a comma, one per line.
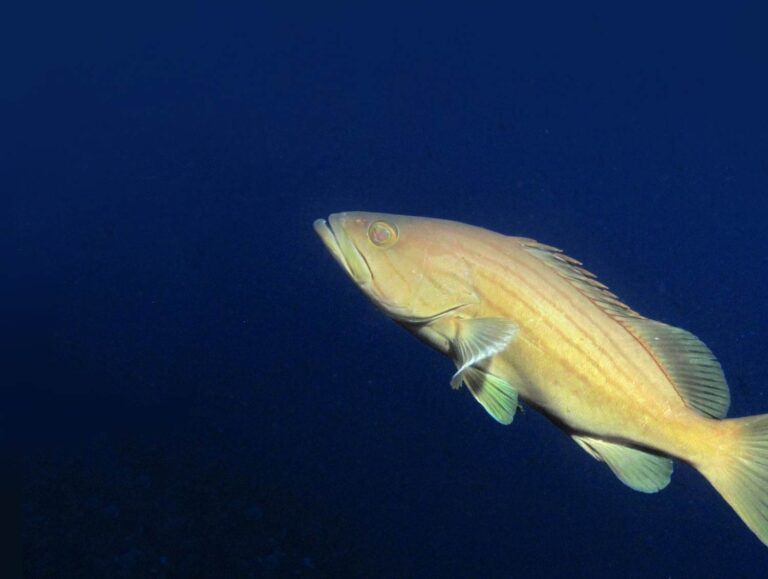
(330,241)
(342,249)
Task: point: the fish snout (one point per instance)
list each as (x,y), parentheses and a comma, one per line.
(334,235)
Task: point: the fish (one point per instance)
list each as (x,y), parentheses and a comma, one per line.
(525,323)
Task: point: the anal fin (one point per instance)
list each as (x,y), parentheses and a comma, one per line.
(638,469)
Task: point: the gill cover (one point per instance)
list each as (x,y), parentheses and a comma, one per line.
(417,270)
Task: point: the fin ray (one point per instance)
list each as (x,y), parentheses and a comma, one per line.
(741,474)
(692,367)
(477,339)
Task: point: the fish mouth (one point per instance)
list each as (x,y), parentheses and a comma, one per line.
(342,249)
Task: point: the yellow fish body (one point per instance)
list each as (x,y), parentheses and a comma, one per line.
(522,321)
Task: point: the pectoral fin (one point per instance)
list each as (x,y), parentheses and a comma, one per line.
(639,470)
(498,397)
(477,339)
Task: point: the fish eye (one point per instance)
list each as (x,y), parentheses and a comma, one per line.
(382,233)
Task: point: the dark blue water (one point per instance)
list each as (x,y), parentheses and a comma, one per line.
(194,389)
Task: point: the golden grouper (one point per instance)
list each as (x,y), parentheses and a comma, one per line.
(522,321)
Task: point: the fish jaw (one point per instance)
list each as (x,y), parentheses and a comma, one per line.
(342,249)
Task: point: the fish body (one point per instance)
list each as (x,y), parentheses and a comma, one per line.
(524,322)
(573,360)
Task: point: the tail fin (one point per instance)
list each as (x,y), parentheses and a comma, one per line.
(740,474)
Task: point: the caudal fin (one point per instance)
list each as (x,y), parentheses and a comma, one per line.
(740,473)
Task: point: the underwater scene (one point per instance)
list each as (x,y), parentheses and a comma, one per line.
(373,290)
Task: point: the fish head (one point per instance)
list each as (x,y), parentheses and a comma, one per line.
(411,267)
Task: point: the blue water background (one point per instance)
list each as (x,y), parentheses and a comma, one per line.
(193,386)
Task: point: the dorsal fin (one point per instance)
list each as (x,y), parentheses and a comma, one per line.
(583,280)
(691,367)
